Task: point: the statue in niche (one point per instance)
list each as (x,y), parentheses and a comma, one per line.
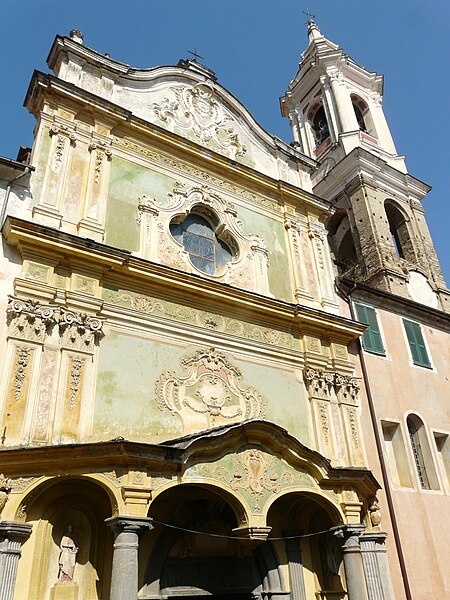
(68,556)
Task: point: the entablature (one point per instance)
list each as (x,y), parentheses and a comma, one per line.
(49,247)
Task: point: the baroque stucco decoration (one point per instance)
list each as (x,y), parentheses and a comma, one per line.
(249,266)
(336,408)
(209,394)
(195,110)
(29,320)
(253,473)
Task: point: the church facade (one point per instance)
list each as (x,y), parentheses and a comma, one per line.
(225,356)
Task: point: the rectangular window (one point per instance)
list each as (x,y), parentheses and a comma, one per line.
(371,339)
(416,343)
(396,454)
(443,447)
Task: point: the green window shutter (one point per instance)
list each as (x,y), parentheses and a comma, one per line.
(371,339)
(416,343)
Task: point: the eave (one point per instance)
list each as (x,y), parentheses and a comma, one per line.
(169,283)
(405,306)
(177,456)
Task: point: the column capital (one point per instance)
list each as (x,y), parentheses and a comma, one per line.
(349,535)
(135,525)
(14,530)
(12,533)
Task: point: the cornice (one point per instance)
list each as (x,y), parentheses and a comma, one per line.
(176,145)
(170,283)
(403,305)
(177,455)
(374,171)
(195,72)
(90,455)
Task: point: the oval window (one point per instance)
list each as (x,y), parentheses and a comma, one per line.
(206,251)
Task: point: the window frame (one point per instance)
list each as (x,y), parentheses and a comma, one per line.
(369,332)
(215,240)
(416,355)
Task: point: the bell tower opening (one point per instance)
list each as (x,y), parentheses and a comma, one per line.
(399,231)
(320,125)
(342,243)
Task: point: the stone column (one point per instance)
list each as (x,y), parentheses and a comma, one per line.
(376,567)
(124,577)
(294,556)
(11,536)
(353,564)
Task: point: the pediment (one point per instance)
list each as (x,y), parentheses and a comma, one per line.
(197,109)
(261,459)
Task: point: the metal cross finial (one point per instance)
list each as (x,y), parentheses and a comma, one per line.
(196,55)
(309,14)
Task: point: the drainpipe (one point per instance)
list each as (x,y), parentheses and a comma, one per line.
(26,171)
(378,442)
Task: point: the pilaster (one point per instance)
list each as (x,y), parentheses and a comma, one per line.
(376,568)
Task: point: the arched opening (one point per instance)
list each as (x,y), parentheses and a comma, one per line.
(423,459)
(202,236)
(321,567)
(399,231)
(70,545)
(362,114)
(342,243)
(319,123)
(181,563)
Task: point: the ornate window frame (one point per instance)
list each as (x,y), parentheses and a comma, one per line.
(249,265)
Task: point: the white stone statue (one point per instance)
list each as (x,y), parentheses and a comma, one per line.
(68,556)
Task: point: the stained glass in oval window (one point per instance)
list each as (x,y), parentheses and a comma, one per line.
(205,249)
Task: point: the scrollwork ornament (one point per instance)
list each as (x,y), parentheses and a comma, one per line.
(209,394)
(194,109)
(75,379)
(23,358)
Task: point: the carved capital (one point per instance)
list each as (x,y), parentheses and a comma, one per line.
(375,515)
(80,331)
(63,130)
(347,389)
(291,223)
(101,149)
(146,204)
(29,320)
(100,146)
(319,383)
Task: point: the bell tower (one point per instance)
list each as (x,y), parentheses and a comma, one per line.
(378,232)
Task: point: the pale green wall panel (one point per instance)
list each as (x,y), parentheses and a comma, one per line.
(129,181)
(129,367)
(273,234)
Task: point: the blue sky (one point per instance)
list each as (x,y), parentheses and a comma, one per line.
(254,46)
